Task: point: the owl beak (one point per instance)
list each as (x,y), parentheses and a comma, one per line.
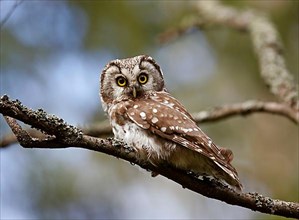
(134,91)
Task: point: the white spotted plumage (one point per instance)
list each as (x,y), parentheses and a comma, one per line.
(145,116)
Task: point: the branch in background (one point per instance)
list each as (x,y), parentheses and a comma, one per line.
(103,129)
(63,135)
(246,108)
(99,129)
(10,12)
(265,41)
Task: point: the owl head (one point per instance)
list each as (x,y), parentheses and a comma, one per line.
(131,78)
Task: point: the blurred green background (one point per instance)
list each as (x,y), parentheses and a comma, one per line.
(52,53)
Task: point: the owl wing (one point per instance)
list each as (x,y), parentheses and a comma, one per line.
(166,117)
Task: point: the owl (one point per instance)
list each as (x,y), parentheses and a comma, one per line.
(146,117)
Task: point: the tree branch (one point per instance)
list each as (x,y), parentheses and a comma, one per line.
(63,135)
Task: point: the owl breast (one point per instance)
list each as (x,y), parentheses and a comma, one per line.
(149,146)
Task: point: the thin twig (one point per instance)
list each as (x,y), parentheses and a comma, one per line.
(10,12)
(70,136)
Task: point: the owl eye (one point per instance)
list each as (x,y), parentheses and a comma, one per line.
(142,78)
(121,81)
